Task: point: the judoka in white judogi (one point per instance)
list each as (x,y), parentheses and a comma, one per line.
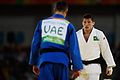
(91,49)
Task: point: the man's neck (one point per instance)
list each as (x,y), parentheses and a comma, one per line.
(61,13)
(87,31)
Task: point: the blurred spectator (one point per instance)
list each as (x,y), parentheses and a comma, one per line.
(11,37)
(20,37)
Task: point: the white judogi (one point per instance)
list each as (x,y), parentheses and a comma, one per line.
(90,50)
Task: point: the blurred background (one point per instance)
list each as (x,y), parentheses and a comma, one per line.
(18,19)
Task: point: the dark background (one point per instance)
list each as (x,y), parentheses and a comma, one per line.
(18,19)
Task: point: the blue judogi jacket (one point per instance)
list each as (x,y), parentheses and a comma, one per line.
(57,33)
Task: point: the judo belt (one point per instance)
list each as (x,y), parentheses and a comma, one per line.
(45,50)
(96,61)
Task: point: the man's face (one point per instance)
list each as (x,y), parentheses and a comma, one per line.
(87,24)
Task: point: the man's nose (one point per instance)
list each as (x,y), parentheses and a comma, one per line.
(86,24)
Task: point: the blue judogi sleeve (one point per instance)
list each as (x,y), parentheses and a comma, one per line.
(74,50)
(34,54)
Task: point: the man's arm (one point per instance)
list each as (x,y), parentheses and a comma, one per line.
(75,53)
(35,46)
(107,54)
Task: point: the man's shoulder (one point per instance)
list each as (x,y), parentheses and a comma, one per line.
(59,19)
(67,21)
(45,19)
(98,30)
(79,31)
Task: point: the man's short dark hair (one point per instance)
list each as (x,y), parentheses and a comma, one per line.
(60,6)
(87,16)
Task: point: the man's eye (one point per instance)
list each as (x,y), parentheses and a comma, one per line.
(88,21)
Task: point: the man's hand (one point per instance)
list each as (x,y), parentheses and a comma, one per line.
(36,70)
(109,71)
(75,74)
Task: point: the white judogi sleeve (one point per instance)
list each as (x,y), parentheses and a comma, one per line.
(105,50)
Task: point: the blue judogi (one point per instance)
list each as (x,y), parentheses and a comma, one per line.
(59,72)
(58,34)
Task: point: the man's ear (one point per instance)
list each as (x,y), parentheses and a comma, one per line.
(54,10)
(66,10)
(93,23)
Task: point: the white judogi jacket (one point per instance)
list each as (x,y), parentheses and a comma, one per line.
(96,44)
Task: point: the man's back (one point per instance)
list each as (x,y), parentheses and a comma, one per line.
(53,40)
(54,31)
(53,44)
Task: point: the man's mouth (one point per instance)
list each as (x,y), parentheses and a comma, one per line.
(86,27)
